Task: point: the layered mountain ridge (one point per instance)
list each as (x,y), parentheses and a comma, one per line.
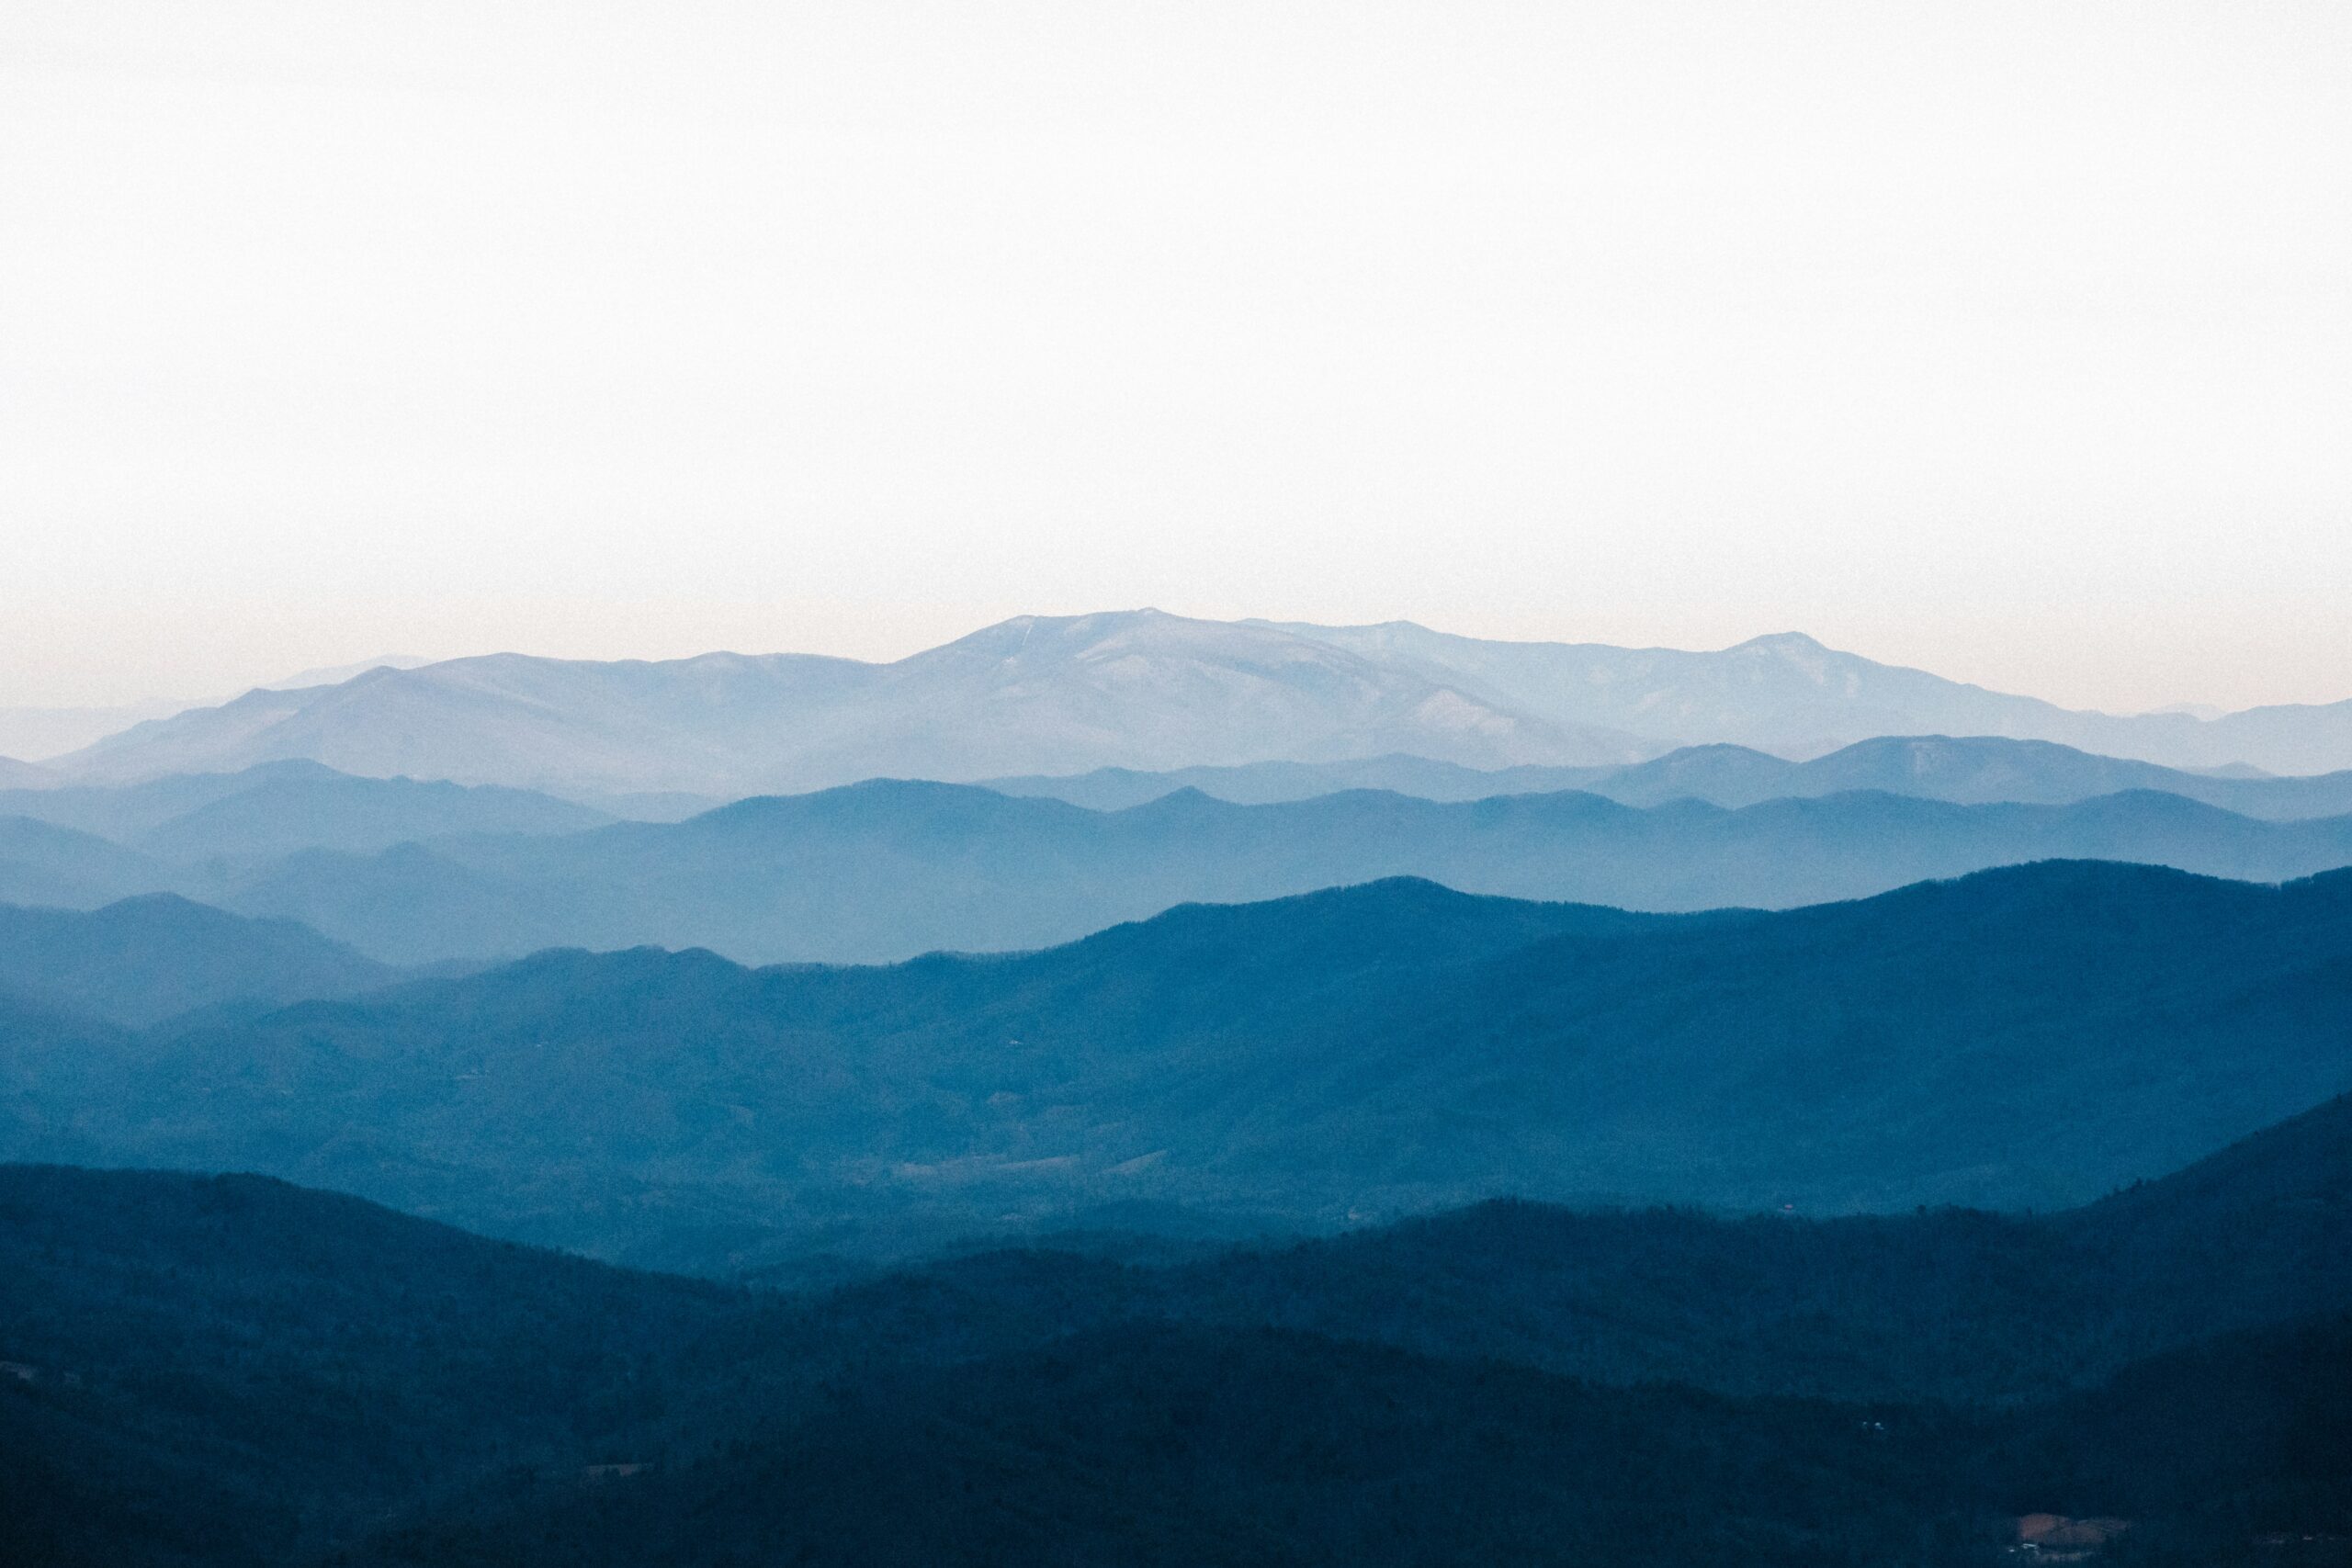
(217,1370)
(2027,1037)
(415,873)
(1140,690)
(1964,770)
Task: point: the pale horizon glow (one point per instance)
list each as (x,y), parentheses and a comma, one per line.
(2012,342)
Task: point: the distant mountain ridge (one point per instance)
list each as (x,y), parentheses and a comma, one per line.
(1139,690)
(1144,689)
(1789,694)
(36,735)
(1968,770)
(410,871)
(275,809)
(149,958)
(42,862)
(887,870)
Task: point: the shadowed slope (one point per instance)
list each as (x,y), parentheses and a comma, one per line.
(226,1370)
(2028,1037)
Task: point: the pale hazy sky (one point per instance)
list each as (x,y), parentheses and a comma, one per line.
(2013,341)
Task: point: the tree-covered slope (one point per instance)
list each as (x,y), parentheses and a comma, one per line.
(229,1370)
(2030,1038)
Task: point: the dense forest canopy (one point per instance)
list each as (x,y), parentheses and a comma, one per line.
(230,1370)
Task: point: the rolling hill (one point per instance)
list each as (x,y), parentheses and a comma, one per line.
(887,870)
(1953,1304)
(411,871)
(226,1370)
(2031,1037)
(277,808)
(43,863)
(1157,1444)
(148,958)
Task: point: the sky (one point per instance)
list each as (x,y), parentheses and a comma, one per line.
(2010,341)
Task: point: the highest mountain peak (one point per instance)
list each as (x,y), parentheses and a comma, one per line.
(1786,642)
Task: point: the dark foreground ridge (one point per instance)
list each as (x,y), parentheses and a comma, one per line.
(226,1370)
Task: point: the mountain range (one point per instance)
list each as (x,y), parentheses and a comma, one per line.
(229,1370)
(1035,693)
(275,809)
(38,734)
(885,871)
(2033,1036)
(80,845)
(1790,695)
(1969,771)
(414,871)
(1139,690)
(1133,1088)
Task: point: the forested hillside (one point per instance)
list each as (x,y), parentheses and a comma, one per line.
(2028,1038)
(229,1370)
